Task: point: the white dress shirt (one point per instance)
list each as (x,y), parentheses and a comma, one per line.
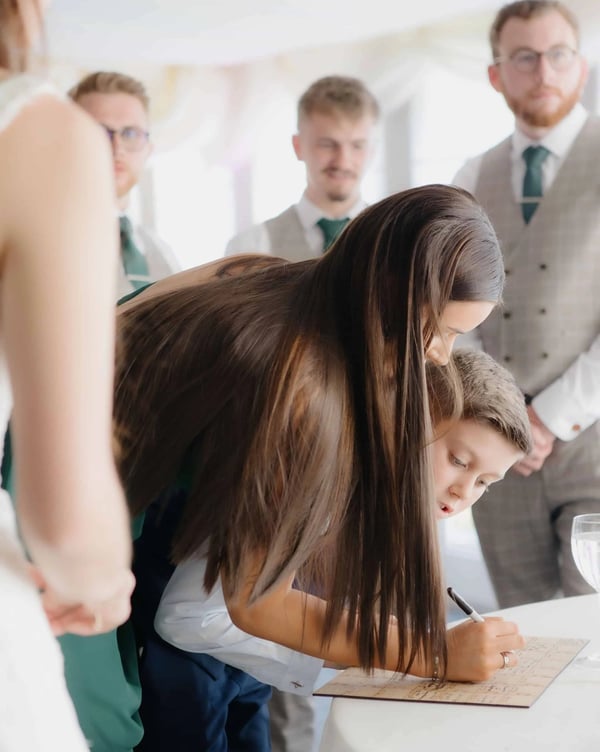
(256,238)
(572,402)
(196,621)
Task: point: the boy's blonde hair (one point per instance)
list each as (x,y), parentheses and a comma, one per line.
(490,395)
(109,82)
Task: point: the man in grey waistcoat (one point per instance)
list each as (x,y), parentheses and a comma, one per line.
(541,189)
(120,104)
(337,120)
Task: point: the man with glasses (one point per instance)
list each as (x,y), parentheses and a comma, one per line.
(540,189)
(120,104)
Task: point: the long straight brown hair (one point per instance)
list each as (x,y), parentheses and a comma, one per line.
(294,399)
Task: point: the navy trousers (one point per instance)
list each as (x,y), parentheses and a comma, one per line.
(194,703)
(190,702)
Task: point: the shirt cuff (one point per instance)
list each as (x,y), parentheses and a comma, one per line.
(561,412)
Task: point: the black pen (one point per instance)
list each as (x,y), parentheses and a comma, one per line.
(464,606)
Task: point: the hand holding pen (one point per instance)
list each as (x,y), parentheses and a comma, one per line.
(477,649)
(464,606)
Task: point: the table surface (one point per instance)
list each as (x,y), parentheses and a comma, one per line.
(565,717)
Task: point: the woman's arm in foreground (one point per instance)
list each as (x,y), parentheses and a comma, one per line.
(58,242)
(296,620)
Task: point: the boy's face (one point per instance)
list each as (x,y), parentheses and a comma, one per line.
(467,458)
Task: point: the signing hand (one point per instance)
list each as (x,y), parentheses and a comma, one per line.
(475,650)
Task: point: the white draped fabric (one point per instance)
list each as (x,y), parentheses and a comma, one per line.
(212,68)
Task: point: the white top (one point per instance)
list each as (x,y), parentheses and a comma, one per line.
(256,238)
(564,718)
(193,620)
(574,398)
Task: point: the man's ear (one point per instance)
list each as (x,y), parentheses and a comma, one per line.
(297,146)
(494,77)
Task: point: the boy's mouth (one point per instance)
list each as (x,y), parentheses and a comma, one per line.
(446,509)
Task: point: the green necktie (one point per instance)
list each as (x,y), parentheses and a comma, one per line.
(134,262)
(534,157)
(331,229)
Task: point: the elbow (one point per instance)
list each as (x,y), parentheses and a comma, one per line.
(245,617)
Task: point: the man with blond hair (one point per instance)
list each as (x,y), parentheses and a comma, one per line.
(540,189)
(120,104)
(337,119)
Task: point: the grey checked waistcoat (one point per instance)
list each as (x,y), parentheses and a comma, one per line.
(551,307)
(287,237)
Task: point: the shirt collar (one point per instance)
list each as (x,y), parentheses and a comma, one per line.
(309,214)
(558,140)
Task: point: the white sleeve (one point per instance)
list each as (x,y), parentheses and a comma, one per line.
(572,402)
(253,240)
(192,620)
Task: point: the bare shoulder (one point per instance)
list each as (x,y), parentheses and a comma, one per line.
(53,134)
(51,153)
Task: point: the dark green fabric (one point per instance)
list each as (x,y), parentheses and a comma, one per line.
(534,157)
(331,229)
(134,261)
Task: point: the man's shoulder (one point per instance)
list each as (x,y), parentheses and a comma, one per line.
(257,237)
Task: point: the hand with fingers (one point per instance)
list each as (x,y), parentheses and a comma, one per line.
(543,444)
(85,619)
(477,651)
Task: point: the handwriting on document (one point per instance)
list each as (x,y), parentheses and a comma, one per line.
(540,662)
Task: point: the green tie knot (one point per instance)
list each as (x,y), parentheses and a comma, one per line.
(331,229)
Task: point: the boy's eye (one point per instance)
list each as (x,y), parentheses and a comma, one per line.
(485,484)
(458,462)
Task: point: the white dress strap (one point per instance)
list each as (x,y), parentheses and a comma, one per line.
(17,92)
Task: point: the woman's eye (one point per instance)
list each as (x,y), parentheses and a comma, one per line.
(458,462)
(485,484)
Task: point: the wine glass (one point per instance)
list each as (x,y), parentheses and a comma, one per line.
(585,546)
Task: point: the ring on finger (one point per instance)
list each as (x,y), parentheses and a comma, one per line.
(505,659)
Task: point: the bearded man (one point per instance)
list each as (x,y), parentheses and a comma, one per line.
(540,188)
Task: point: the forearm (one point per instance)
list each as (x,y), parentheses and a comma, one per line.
(297,620)
(83,548)
(572,403)
(299,625)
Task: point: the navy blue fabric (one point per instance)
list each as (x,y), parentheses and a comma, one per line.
(190,702)
(194,703)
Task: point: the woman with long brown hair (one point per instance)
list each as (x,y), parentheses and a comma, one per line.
(289,403)
(57,261)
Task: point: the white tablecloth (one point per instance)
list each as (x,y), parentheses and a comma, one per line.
(566,717)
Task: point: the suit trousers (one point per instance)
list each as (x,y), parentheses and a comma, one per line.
(525,536)
(292,722)
(194,703)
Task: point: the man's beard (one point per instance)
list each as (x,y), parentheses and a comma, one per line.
(543,119)
(338,196)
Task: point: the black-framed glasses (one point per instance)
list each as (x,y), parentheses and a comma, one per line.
(132,137)
(560,57)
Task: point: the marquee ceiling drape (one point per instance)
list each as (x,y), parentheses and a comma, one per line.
(213,65)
